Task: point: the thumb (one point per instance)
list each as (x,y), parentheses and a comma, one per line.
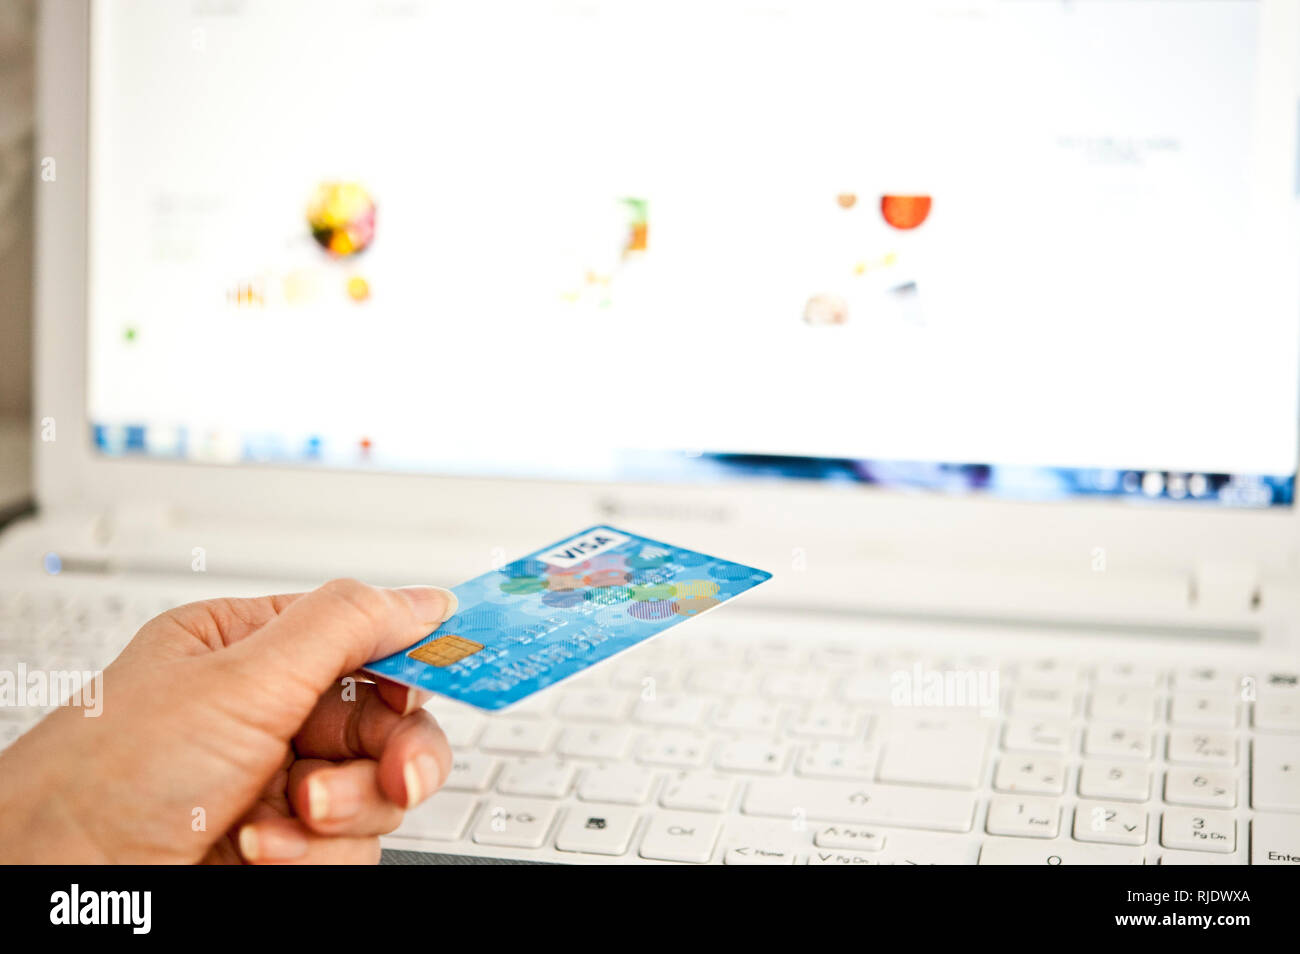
(335,630)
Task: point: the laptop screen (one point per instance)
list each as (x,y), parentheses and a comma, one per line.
(1036,250)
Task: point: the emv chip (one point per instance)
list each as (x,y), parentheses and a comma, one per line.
(445,650)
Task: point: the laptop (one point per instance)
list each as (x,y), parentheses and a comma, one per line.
(974,323)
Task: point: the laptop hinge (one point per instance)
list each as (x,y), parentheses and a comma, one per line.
(1225,588)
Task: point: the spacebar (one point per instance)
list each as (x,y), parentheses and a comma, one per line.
(903,806)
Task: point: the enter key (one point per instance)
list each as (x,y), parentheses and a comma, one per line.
(1275,774)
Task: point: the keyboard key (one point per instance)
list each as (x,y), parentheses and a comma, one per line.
(1042,701)
(868,688)
(1128,675)
(1110,822)
(757,855)
(942,852)
(674,749)
(461,728)
(891,805)
(722,680)
(1172,857)
(595,705)
(748,715)
(778,654)
(1195,829)
(647,679)
(1024,817)
(1021,851)
(1031,775)
(534,707)
(1275,774)
(1206,679)
(1208,709)
(839,657)
(1278,714)
(826,857)
(950,755)
(540,778)
(1036,735)
(1206,788)
(1202,748)
(597,830)
(595,742)
(515,823)
(441,818)
(1118,741)
(1114,704)
(698,792)
(623,784)
(677,709)
(519,736)
(855,837)
(1126,781)
(746,755)
(837,760)
(471,773)
(795,684)
(1280,683)
(829,721)
(1048,672)
(681,836)
(1275,840)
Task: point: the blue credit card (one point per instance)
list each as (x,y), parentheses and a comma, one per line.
(560,611)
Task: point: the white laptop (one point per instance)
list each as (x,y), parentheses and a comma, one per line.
(973,322)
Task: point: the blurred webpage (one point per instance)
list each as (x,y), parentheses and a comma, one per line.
(470,235)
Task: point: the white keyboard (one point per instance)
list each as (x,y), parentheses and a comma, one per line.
(757,740)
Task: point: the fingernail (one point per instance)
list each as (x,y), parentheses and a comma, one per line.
(433,604)
(422,776)
(271,844)
(331,799)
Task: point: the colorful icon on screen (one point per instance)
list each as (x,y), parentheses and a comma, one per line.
(342,218)
(358,288)
(826,310)
(250,294)
(905,211)
(638,235)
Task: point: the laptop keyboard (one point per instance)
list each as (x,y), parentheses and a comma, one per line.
(713,746)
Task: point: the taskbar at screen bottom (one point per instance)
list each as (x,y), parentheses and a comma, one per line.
(994,480)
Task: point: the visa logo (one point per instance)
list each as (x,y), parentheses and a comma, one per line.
(572,552)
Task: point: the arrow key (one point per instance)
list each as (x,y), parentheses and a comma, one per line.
(755,855)
(1110,822)
(1206,788)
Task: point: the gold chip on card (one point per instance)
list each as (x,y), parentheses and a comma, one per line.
(445,650)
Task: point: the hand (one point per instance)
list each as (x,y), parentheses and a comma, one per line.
(231,730)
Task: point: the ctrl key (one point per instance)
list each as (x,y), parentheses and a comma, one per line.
(514,823)
(681,836)
(1275,840)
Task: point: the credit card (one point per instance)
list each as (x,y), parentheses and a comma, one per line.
(560,611)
